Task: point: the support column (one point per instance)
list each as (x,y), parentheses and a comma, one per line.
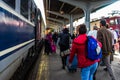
(71,24)
(64,23)
(60,28)
(17,6)
(87,18)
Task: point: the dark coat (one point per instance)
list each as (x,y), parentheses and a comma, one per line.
(55,37)
(105,37)
(64,42)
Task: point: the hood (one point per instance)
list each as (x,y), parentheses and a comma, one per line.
(81,39)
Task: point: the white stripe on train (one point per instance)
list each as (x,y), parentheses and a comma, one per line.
(15,47)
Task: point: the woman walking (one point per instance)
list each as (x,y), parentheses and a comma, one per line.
(79,48)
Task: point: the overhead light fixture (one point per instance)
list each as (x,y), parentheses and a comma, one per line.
(62,12)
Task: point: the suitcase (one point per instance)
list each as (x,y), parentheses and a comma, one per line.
(53,48)
(74,64)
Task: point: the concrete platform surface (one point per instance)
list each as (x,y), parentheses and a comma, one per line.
(49,67)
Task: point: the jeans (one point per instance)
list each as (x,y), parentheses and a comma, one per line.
(88,72)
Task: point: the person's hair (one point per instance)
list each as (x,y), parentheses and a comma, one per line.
(103,22)
(82,29)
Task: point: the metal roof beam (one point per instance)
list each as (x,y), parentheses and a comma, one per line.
(76,3)
(55,20)
(56,13)
(62,6)
(73,10)
(77,16)
(54,23)
(89,4)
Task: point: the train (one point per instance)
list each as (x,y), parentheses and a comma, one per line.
(114,23)
(18,36)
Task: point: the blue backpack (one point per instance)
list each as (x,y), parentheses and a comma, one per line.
(93,48)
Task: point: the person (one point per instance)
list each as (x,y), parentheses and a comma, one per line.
(48,42)
(114,40)
(93,32)
(119,43)
(64,44)
(79,48)
(73,36)
(105,37)
(55,37)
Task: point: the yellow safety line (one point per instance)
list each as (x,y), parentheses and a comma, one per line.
(43,67)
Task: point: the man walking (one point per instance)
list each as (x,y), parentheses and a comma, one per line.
(105,37)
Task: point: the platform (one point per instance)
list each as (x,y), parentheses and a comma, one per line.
(49,67)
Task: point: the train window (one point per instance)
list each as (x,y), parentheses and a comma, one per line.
(24,8)
(118,20)
(11,3)
(112,22)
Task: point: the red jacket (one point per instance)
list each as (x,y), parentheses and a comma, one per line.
(79,47)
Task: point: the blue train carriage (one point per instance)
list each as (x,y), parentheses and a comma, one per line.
(16,38)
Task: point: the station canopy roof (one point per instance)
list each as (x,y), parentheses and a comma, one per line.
(58,10)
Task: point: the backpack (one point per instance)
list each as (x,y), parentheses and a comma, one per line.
(93,48)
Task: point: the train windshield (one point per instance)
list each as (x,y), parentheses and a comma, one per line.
(112,22)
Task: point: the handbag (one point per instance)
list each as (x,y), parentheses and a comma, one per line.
(65,53)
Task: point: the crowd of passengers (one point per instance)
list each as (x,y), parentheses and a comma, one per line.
(76,45)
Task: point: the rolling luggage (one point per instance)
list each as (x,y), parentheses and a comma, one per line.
(53,48)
